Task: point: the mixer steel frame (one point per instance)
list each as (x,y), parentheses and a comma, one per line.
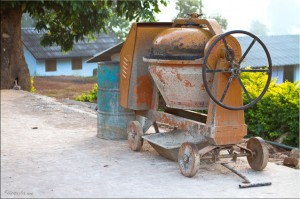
(221,129)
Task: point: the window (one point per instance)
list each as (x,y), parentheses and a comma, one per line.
(76,63)
(288,73)
(50,65)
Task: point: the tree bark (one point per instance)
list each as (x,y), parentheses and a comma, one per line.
(13,63)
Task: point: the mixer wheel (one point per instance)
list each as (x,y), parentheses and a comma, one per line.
(227,48)
(260,152)
(188,159)
(135,133)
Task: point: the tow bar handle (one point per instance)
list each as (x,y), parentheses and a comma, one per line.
(247,183)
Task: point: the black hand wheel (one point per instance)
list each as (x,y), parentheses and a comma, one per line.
(227,47)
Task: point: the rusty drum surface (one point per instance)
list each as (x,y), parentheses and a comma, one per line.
(175,64)
(185,43)
(112,118)
(181,86)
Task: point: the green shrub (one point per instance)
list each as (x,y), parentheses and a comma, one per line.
(276,113)
(32,88)
(90,96)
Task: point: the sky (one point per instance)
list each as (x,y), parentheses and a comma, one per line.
(280,16)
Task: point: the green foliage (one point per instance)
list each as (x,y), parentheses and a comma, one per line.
(27,21)
(90,96)
(32,88)
(276,113)
(195,6)
(66,22)
(221,20)
(258,28)
(188,7)
(119,26)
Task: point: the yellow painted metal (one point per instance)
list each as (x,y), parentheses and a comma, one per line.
(225,126)
(136,85)
(219,50)
(211,24)
(126,57)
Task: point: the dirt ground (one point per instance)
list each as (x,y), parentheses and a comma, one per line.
(49,149)
(62,87)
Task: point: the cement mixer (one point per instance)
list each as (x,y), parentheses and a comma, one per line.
(190,76)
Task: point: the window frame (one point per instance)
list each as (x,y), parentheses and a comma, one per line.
(76,63)
(50,65)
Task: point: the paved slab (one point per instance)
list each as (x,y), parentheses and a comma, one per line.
(49,149)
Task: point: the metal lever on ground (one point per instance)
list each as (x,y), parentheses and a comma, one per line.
(247,182)
(258,184)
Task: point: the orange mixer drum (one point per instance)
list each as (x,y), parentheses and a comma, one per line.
(175,64)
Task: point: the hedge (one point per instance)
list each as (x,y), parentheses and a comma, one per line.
(90,96)
(277,113)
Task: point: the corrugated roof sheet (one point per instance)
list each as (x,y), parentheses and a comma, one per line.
(31,39)
(283,49)
(106,55)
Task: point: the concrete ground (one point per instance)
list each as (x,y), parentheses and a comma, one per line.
(50,149)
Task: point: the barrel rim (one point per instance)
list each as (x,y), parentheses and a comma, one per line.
(108,62)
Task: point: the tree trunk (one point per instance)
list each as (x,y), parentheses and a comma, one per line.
(13,64)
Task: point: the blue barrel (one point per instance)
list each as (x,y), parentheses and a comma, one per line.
(112,118)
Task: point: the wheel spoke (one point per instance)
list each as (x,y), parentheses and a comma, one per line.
(246,52)
(232,68)
(243,87)
(218,71)
(255,70)
(226,46)
(227,51)
(226,88)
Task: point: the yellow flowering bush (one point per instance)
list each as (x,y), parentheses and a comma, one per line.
(32,88)
(90,96)
(276,113)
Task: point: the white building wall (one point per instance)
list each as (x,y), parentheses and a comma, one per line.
(63,67)
(31,62)
(277,72)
